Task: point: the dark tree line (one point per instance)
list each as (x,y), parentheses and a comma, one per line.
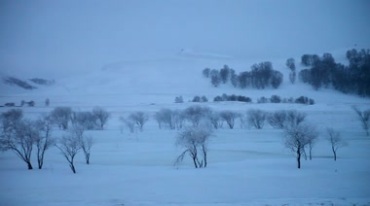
(325,72)
(261,76)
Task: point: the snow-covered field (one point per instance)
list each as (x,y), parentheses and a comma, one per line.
(246,166)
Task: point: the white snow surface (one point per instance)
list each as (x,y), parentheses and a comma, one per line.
(246,166)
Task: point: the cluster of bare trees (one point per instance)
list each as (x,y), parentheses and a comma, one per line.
(65,116)
(71,143)
(193,116)
(22,135)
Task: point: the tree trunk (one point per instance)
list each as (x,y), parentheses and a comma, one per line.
(72,168)
(195,161)
(204,155)
(40,163)
(29,165)
(299,157)
(87,156)
(335,153)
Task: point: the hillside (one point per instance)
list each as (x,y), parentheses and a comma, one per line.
(159,80)
(246,166)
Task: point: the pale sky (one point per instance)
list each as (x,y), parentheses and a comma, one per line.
(54,37)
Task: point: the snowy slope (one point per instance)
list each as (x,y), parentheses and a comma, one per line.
(246,166)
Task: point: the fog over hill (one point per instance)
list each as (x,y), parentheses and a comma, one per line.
(56,39)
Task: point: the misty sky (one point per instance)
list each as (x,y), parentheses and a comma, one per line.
(54,37)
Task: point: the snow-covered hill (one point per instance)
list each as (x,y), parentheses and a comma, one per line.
(246,166)
(159,80)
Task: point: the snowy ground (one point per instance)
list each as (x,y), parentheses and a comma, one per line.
(246,166)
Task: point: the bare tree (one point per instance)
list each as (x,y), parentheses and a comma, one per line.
(10,118)
(43,139)
(69,145)
(139,118)
(229,117)
(256,118)
(165,117)
(277,119)
(61,116)
(86,119)
(130,124)
(18,136)
(294,118)
(216,120)
(195,114)
(194,140)
(86,142)
(335,141)
(298,137)
(364,117)
(101,115)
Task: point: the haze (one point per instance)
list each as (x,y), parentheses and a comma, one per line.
(59,38)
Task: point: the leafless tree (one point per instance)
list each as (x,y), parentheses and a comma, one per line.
(129,123)
(139,118)
(10,118)
(178,119)
(256,118)
(101,115)
(69,145)
(298,137)
(277,119)
(229,117)
(194,140)
(61,116)
(43,139)
(216,120)
(194,114)
(364,117)
(18,136)
(335,141)
(294,118)
(86,142)
(165,117)
(85,119)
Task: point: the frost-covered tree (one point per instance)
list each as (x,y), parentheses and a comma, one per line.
(256,118)
(364,117)
(229,117)
(277,119)
(61,116)
(335,141)
(298,137)
(194,139)
(290,63)
(18,135)
(216,120)
(194,114)
(69,145)
(43,139)
(139,118)
(102,116)
(86,142)
(85,119)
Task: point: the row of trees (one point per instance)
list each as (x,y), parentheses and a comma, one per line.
(65,116)
(196,124)
(22,135)
(299,136)
(261,76)
(278,99)
(325,72)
